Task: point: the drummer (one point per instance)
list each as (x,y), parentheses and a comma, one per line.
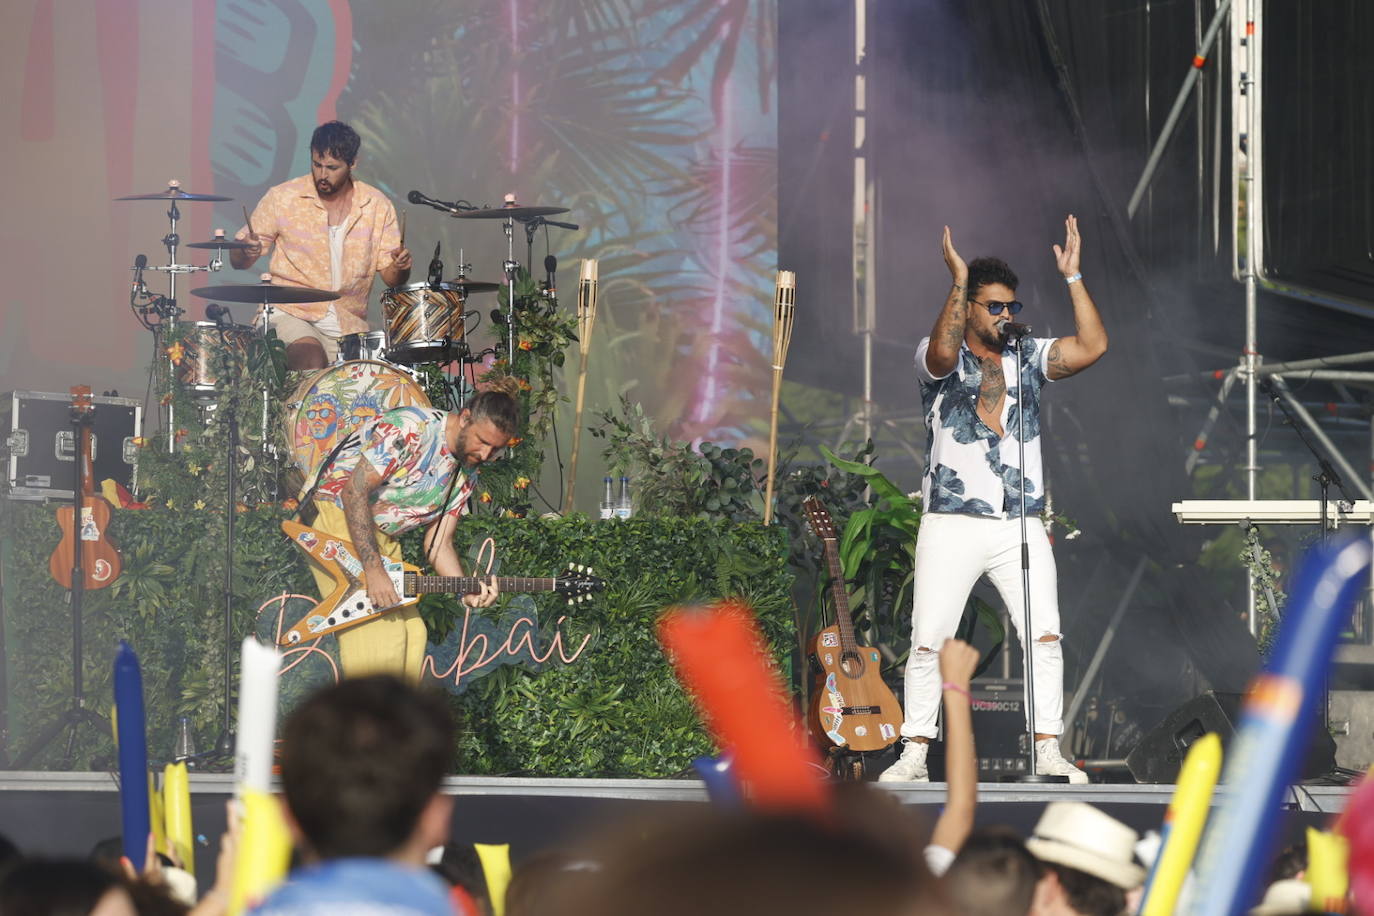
(331,232)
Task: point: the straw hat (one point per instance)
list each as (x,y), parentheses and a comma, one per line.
(1077,835)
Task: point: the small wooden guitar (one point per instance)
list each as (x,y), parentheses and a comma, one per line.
(348,605)
(100,562)
(851,705)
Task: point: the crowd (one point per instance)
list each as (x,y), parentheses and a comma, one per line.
(361,770)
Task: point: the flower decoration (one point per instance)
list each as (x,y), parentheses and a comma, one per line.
(521,483)
(199,504)
(513,441)
(176,353)
(485,497)
(290,504)
(526,345)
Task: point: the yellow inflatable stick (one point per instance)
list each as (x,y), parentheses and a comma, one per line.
(264,850)
(176,801)
(1327,872)
(1183,824)
(156,819)
(496,866)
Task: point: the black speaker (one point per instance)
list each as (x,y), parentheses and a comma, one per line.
(1159,755)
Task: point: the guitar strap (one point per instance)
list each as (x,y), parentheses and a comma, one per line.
(305,496)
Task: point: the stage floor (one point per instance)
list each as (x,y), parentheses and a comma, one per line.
(66,814)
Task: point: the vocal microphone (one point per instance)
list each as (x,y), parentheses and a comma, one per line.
(140,264)
(219,314)
(436,268)
(416,197)
(551,267)
(1014,330)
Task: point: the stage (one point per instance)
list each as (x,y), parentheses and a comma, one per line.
(65,814)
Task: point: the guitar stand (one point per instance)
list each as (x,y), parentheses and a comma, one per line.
(852,766)
(77,714)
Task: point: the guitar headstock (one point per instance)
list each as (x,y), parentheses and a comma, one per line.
(578,584)
(818,517)
(82,402)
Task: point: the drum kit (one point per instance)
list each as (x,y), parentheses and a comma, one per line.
(425,324)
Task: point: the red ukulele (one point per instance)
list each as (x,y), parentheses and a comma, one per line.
(98,564)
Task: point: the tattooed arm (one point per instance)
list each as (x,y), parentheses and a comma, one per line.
(943,353)
(362,531)
(1069,355)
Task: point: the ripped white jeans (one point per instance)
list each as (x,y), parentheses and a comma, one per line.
(952,552)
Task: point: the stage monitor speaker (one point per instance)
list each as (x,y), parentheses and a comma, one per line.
(1159,755)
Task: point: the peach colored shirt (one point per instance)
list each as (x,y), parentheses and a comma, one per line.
(292,221)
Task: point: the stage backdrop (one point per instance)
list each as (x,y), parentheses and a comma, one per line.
(653,121)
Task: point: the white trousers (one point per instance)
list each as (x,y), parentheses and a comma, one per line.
(952,552)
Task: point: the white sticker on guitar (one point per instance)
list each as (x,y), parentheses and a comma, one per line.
(886,730)
(89,530)
(830,640)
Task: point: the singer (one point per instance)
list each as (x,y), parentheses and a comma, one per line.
(332,232)
(972,486)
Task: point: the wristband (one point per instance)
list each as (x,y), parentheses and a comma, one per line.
(950,685)
(1075,278)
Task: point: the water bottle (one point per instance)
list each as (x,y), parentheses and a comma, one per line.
(622,505)
(607,500)
(184,744)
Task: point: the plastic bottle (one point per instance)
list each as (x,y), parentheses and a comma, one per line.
(623,509)
(607,500)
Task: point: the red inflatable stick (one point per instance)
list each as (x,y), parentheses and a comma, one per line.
(722,659)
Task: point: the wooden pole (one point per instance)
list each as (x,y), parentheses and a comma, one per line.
(586,319)
(784,310)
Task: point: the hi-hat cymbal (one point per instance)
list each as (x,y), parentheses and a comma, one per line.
(230,244)
(263,293)
(472,286)
(174,194)
(510,212)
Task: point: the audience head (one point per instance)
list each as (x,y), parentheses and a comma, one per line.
(63,887)
(362,763)
(993,875)
(1089,860)
(864,858)
(544,880)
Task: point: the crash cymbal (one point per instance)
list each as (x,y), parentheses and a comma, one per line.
(510,212)
(263,292)
(230,244)
(472,286)
(174,194)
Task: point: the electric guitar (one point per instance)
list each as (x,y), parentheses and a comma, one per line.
(851,705)
(100,562)
(348,605)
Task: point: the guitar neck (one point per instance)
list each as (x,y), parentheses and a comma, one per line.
(466,585)
(838,594)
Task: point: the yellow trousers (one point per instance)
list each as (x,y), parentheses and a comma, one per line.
(394,643)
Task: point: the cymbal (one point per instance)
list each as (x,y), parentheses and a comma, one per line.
(472,286)
(174,194)
(263,292)
(510,212)
(230,244)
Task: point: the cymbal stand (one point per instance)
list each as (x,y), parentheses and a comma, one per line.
(510,266)
(168,310)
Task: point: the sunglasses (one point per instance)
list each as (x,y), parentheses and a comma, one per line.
(324,413)
(995,308)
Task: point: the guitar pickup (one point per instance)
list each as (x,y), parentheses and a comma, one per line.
(861,710)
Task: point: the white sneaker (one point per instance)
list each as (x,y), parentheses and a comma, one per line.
(1049,761)
(911,766)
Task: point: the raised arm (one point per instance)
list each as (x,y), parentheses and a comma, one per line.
(948,334)
(957,662)
(1069,355)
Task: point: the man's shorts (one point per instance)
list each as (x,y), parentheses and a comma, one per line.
(290,329)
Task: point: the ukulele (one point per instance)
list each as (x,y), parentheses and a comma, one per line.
(851,706)
(99,562)
(347,604)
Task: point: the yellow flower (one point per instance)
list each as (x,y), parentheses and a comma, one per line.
(169,504)
(199,504)
(485,497)
(526,345)
(140,442)
(176,353)
(513,441)
(195,469)
(521,483)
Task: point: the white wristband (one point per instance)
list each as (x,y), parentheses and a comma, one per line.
(1074,279)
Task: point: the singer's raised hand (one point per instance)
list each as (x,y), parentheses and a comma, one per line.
(958,270)
(1067,257)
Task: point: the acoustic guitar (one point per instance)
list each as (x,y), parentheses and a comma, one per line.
(100,563)
(851,706)
(347,604)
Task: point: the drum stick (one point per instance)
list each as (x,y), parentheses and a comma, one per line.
(248,222)
(402,218)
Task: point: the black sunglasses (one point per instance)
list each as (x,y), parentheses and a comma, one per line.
(995,308)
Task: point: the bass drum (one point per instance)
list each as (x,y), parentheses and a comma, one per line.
(334,402)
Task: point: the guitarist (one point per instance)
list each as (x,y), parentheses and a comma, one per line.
(974,407)
(409,467)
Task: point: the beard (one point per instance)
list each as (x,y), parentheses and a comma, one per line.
(993,337)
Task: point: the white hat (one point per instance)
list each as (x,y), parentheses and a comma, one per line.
(1291,895)
(1079,836)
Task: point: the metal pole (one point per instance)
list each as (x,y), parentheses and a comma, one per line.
(1108,636)
(864,220)
(1175,113)
(1337,458)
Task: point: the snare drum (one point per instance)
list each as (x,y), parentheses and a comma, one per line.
(334,402)
(423,324)
(207,349)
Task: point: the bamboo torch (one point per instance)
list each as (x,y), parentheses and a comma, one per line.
(586,318)
(784,309)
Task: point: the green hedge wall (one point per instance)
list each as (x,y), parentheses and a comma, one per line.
(616,712)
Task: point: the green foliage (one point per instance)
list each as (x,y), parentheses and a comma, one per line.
(617,711)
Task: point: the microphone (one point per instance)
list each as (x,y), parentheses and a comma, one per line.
(1014,330)
(550,267)
(416,197)
(140,264)
(219,314)
(436,268)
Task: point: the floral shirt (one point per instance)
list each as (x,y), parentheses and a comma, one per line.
(970,470)
(407,448)
(292,221)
